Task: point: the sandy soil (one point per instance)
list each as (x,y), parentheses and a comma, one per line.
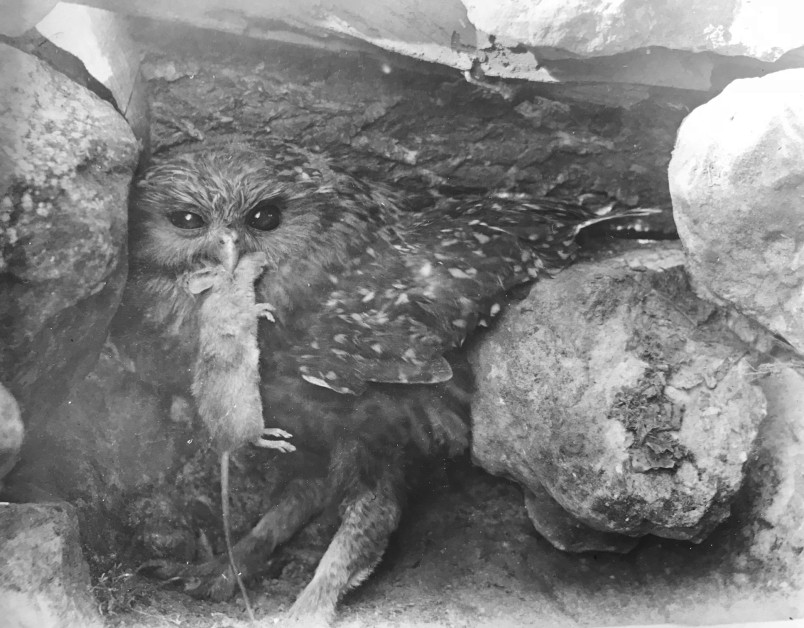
(466,555)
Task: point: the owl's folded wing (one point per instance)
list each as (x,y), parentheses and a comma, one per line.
(404,304)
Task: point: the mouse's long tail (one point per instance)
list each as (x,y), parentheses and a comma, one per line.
(227,534)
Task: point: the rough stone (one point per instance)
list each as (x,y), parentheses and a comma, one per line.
(773,507)
(11,432)
(110,438)
(622,394)
(44,580)
(590,27)
(21,15)
(65,164)
(100,40)
(566,532)
(672,43)
(737,179)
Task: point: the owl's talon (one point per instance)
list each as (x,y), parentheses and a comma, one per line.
(218,589)
(307,612)
(174,570)
(212,579)
(306,621)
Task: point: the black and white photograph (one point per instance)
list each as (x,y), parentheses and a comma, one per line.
(401,313)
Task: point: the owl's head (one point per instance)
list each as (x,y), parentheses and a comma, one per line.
(212,207)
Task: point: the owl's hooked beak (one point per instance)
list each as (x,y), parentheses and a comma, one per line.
(228,253)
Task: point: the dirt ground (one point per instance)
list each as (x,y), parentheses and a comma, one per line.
(465,553)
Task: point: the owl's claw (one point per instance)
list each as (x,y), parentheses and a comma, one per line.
(304,620)
(266,443)
(213,579)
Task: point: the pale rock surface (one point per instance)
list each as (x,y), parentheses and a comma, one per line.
(764,30)
(21,15)
(623,395)
(66,161)
(737,184)
(583,41)
(110,438)
(774,512)
(566,532)
(44,580)
(11,432)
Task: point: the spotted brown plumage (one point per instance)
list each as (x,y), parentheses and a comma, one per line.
(372,300)
(421,287)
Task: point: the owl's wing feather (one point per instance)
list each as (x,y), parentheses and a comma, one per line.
(412,297)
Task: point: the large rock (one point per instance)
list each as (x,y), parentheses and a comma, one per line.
(591,27)
(668,43)
(622,394)
(44,580)
(11,432)
(20,15)
(737,183)
(565,531)
(66,161)
(110,438)
(773,506)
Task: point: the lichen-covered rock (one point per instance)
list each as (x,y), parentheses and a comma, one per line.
(622,394)
(110,439)
(773,508)
(737,183)
(113,434)
(523,39)
(565,531)
(44,580)
(591,27)
(11,432)
(65,164)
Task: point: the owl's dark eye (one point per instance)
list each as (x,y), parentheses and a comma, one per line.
(186,220)
(265,215)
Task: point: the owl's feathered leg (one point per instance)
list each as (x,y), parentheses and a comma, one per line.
(300,502)
(370,489)
(369,516)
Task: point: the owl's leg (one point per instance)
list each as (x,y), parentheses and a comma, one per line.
(300,502)
(303,500)
(369,517)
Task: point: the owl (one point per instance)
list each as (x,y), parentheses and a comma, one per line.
(372,297)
